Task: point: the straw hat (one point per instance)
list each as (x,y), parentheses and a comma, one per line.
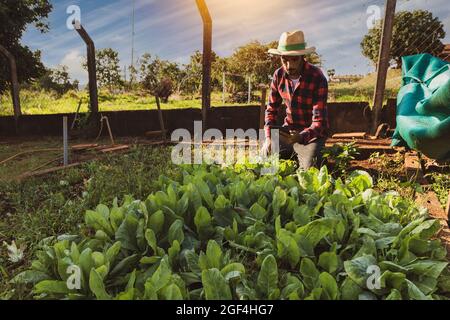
(292,44)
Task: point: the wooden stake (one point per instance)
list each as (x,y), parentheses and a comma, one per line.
(207,57)
(383,62)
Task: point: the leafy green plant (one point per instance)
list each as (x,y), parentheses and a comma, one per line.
(341,154)
(220,233)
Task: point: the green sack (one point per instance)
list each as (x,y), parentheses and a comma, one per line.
(423,107)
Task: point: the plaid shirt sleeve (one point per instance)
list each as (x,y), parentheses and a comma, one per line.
(275,101)
(320,125)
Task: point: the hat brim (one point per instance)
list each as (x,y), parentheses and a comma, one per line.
(292,53)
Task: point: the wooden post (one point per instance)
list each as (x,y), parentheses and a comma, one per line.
(65,141)
(92,68)
(161,119)
(383,62)
(262,115)
(207,52)
(14,84)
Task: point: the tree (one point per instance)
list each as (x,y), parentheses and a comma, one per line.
(413,33)
(108,68)
(158,76)
(15,16)
(57,80)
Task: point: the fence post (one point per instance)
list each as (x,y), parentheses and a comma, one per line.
(92,68)
(65,141)
(207,51)
(383,62)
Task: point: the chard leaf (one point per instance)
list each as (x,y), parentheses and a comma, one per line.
(268,276)
(97,286)
(315,231)
(329,286)
(310,273)
(126,233)
(215,286)
(176,232)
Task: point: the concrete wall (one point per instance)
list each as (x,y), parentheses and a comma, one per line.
(344,117)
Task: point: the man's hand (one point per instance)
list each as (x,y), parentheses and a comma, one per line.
(292,137)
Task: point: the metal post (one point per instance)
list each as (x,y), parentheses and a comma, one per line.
(383,62)
(92,68)
(65,141)
(14,84)
(207,51)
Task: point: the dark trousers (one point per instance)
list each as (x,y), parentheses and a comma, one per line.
(306,156)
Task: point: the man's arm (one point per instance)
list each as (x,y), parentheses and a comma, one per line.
(320,125)
(275,101)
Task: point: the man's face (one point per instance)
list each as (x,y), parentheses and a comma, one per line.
(292,65)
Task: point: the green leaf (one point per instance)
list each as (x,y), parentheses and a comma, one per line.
(151,240)
(315,231)
(51,287)
(204,191)
(215,286)
(287,247)
(233,270)
(30,277)
(126,233)
(279,200)
(97,286)
(176,232)
(268,276)
(301,215)
(156,222)
(329,261)
(427,229)
(202,221)
(350,290)
(394,295)
(329,286)
(214,255)
(415,293)
(428,268)
(162,276)
(310,273)
(171,292)
(97,221)
(258,212)
(394,280)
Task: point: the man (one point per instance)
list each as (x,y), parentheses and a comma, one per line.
(303,88)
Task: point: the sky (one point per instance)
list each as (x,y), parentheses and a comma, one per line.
(172,29)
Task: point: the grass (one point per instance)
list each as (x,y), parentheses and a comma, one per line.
(50,103)
(363,90)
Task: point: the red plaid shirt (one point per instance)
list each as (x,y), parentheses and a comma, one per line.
(306,104)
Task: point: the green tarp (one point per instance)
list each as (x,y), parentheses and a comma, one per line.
(423,107)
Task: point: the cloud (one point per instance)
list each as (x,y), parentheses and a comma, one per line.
(73,60)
